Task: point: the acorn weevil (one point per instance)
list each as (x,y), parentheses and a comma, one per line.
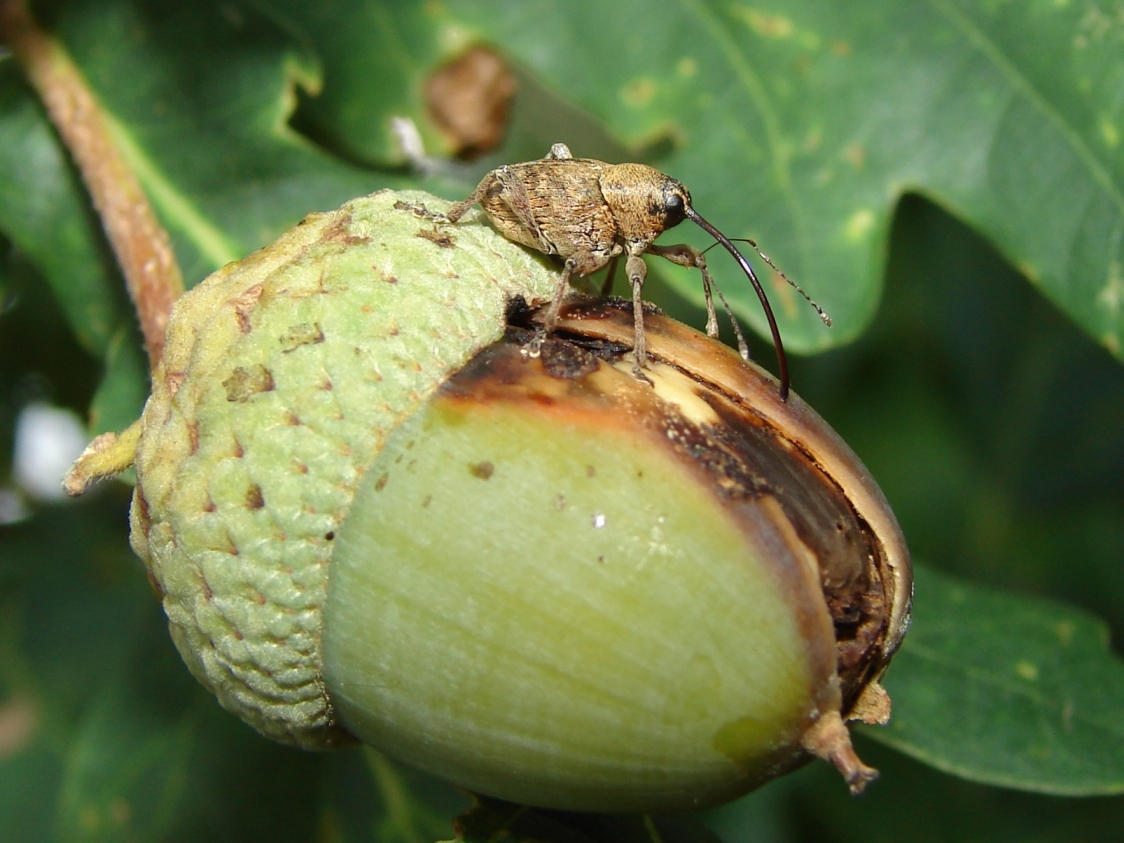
(589,213)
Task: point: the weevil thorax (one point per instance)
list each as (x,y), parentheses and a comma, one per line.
(644,202)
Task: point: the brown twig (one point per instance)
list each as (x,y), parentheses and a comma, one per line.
(141,244)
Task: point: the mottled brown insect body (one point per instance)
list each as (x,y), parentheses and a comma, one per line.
(523,202)
(589,213)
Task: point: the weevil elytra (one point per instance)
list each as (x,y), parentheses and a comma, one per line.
(589,213)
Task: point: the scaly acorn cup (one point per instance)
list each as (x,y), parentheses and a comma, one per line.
(370,514)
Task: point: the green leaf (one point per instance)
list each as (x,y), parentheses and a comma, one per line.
(154,757)
(124,386)
(200,95)
(913,802)
(45,213)
(1007,690)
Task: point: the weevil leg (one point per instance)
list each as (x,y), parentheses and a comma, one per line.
(461,208)
(636,270)
(420,211)
(688,256)
(550,319)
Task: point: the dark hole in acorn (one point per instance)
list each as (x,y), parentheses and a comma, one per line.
(747,457)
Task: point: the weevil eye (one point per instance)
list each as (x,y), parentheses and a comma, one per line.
(674,208)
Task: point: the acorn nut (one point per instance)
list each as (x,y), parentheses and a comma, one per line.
(371,514)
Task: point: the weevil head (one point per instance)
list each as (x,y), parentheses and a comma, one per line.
(644,202)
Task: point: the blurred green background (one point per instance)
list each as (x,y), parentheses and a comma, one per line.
(993,422)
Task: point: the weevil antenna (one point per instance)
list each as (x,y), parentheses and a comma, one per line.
(782,360)
(823,314)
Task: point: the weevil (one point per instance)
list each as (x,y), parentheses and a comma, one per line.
(590,213)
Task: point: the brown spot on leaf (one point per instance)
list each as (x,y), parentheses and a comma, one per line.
(247,381)
(380,484)
(193,437)
(470,99)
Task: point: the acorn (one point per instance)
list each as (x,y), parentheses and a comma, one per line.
(375,509)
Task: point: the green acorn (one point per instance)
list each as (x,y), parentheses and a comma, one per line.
(372,513)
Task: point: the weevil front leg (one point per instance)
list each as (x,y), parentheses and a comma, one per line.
(550,319)
(689,256)
(636,270)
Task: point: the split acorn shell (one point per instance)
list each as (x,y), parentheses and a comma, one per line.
(371,513)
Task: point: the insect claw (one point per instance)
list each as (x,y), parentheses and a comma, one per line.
(533,349)
(638,373)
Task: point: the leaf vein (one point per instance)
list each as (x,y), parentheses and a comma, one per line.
(751,82)
(991,51)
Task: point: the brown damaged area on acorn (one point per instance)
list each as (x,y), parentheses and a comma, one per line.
(777,468)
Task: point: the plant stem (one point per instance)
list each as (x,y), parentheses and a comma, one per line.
(141,244)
